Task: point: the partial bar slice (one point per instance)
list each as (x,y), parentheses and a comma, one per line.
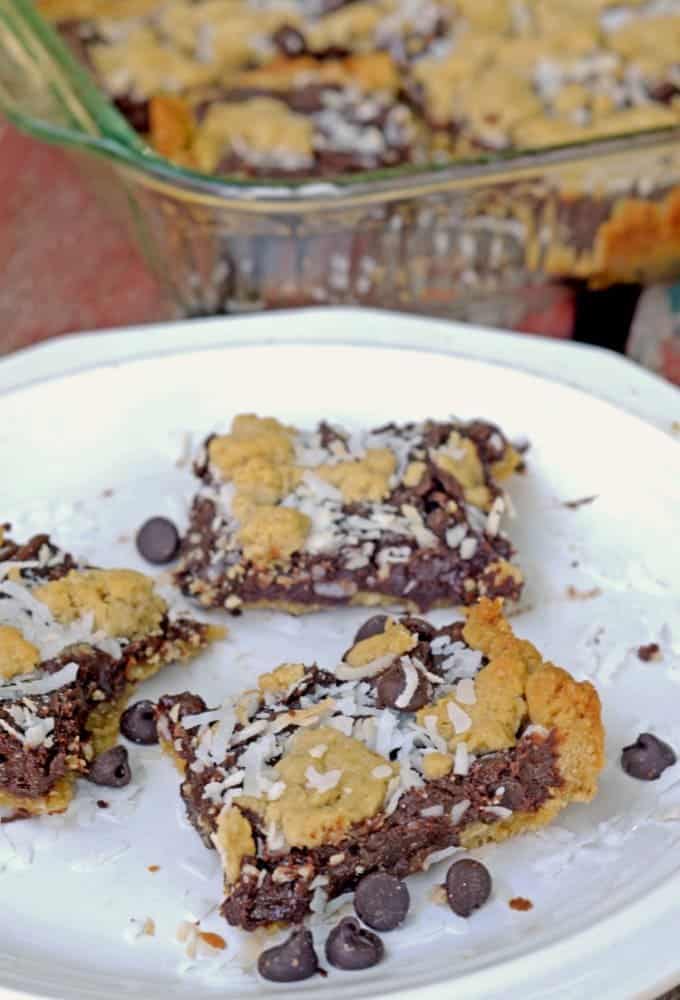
(301,521)
(74,644)
(422,739)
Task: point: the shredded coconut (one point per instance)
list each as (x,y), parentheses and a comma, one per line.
(411,679)
(322,782)
(459,810)
(460,720)
(461,761)
(28,687)
(465,691)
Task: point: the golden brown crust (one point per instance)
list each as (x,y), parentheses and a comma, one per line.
(553,699)
(56,801)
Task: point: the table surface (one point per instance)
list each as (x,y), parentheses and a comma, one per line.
(63,264)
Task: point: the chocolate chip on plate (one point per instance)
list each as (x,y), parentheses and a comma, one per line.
(394,688)
(351,946)
(382,901)
(652,651)
(373,626)
(158,540)
(138,723)
(468,886)
(291,961)
(111,768)
(647,758)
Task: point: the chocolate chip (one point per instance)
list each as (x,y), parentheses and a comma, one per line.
(649,652)
(158,540)
(374,626)
(136,112)
(438,521)
(390,688)
(421,628)
(647,758)
(351,946)
(289,41)
(382,901)
(468,886)
(291,961)
(111,768)
(513,795)
(138,723)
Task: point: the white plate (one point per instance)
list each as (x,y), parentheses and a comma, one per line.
(604,880)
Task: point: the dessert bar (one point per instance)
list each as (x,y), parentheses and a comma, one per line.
(295,520)
(75,642)
(421,740)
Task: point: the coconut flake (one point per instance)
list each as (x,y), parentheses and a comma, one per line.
(385,732)
(465,691)
(214,741)
(432,728)
(425,538)
(460,720)
(29,687)
(319,750)
(459,810)
(455,535)
(440,645)
(493,520)
(322,782)
(461,661)
(535,729)
(34,620)
(276,840)
(500,811)
(461,762)
(201,718)
(344,672)
(468,548)
(276,790)
(411,679)
(33,730)
(343,724)
(382,771)
(432,811)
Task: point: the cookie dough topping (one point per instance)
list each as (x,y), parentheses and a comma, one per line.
(17,656)
(123,602)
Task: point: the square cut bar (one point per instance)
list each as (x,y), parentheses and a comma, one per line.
(74,644)
(302,521)
(422,740)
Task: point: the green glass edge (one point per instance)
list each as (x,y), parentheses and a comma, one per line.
(119,140)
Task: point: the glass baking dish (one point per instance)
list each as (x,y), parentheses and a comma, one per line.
(499,240)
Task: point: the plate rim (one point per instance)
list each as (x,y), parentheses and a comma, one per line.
(572,363)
